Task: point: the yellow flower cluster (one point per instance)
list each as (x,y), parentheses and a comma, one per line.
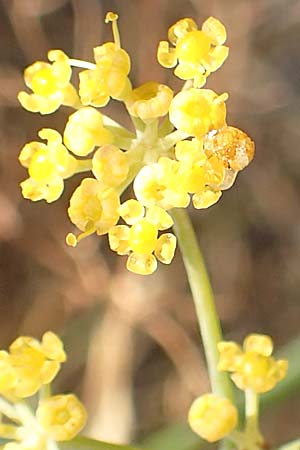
(25,370)
(181,148)
(252,367)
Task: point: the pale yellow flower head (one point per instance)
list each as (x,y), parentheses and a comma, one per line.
(84,131)
(141,240)
(48,165)
(93,208)
(252,367)
(35,363)
(212,417)
(149,101)
(198,111)
(50,84)
(61,416)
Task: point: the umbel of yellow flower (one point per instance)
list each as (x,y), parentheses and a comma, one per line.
(48,165)
(198,52)
(50,84)
(212,417)
(252,367)
(141,239)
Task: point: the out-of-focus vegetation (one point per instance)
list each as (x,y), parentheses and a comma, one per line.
(133,342)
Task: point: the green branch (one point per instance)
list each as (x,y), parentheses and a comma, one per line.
(208,320)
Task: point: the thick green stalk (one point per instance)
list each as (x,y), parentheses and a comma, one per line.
(208,320)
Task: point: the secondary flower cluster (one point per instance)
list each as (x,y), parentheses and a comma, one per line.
(26,369)
(253,370)
(181,149)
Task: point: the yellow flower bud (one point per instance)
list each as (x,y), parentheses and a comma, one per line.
(61,416)
(212,417)
(110,165)
(84,131)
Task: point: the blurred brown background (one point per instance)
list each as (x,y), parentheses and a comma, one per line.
(135,357)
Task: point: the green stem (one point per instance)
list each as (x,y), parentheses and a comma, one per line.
(208,320)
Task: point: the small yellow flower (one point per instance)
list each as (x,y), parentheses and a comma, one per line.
(35,363)
(198,111)
(110,165)
(48,165)
(149,101)
(212,417)
(93,208)
(110,77)
(141,240)
(158,184)
(50,84)
(61,416)
(253,366)
(84,131)
(198,52)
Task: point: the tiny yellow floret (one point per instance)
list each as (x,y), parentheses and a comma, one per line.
(212,417)
(149,101)
(48,165)
(198,52)
(50,84)
(93,208)
(84,131)
(110,165)
(198,111)
(252,367)
(35,363)
(61,416)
